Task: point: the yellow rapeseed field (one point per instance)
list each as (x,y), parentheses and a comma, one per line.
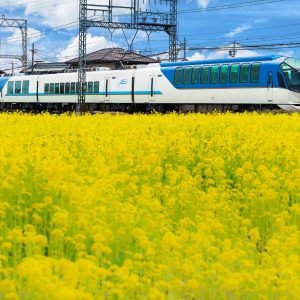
(150,207)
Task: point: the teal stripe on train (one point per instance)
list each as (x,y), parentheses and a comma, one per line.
(89,94)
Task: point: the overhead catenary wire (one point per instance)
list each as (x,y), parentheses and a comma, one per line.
(242,47)
(220,7)
(74,24)
(230,6)
(270,47)
(42,4)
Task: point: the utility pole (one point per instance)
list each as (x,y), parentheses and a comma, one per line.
(184,48)
(233,51)
(32,58)
(12,69)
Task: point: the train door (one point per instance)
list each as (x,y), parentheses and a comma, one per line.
(106,88)
(38,88)
(270,86)
(151,88)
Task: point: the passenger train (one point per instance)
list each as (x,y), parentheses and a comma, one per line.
(224,84)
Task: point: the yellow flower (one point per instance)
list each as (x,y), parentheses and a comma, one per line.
(174,206)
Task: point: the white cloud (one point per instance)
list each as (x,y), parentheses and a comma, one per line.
(238,30)
(197,56)
(163,56)
(244,27)
(203,3)
(53,12)
(6,65)
(13,44)
(221,54)
(60,12)
(32,33)
(94,43)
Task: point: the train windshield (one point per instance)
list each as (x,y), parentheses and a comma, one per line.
(291,71)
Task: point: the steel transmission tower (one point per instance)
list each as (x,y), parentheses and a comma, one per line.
(22,25)
(82,53)
(173,31)
(102,16)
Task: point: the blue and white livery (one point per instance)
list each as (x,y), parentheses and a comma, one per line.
(224,84)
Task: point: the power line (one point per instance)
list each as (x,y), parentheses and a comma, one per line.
(228,6)
(220,7)
(270,47)
(273,46)
(244,47)
(213,43)
(211,8)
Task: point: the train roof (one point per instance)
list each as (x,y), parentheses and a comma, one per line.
(221,61)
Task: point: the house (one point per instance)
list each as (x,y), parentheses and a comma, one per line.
(112,58)
(47,68)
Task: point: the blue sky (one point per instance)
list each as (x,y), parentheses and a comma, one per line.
(204,23)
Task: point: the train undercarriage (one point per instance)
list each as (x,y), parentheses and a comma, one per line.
(58,108)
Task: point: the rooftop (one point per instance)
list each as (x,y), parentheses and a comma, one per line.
(222,60)
(108,55)
(48,67)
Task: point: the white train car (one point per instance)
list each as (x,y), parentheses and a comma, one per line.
(240,83)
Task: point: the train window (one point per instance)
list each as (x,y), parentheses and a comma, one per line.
(254,73)
(25,87)
(90,87)
(67,88)
(18,87)
(96,87)
(204,75)
(292,77)
(61,88)
(46,88)
(73,88)
(280,80)
(178,76)
(214,74)
(224,74)
(187,75)
(196,75)
(10,87)
(244,74)
(56,88)
(234,71)
(51,91)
